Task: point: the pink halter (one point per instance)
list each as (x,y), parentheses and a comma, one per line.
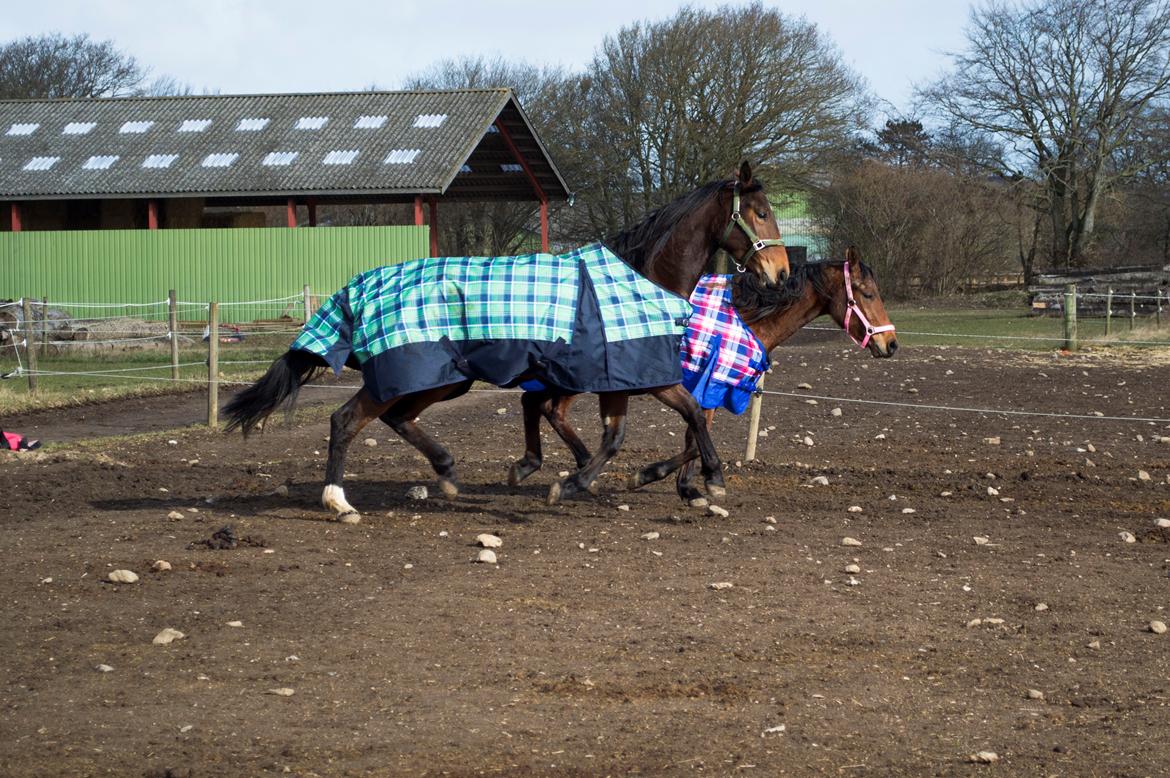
(851,307)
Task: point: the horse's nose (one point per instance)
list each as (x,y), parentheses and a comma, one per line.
(783,276)
(892,346)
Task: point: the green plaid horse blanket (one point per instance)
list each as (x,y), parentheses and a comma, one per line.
(582,321)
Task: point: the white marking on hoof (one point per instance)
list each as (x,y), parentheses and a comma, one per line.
(698,502)
(716,491)
(634,481)
(333,498)
(554,493)
(449,489)
(350,518)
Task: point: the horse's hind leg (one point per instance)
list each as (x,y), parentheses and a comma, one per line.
(403,418)
(683,462)
(681,400)
(613,406)
(554,408)
(344,425)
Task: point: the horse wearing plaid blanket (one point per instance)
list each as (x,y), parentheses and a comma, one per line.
(724,352)
(424,331)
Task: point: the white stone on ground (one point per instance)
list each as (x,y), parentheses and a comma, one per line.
(909,510)
(123,576)
(175,515)
(720,585)
(1035,694)
(167,636)
(1128,537)
(807,440)
(995,441)
(1162,523)
(1143,475)
(650,536)
(282,692)
(716,510)
(417,492)
(235,623)
(370,442)
(487,540)
(855,509)
(851,568)
(804,386)
(104,669)
(1041,606)
(501,411)
(486,556)
(623,507)
(847,541)
(821,480)
(981,540)
(161,566)
(1158,627)
(984,757)
(835,412)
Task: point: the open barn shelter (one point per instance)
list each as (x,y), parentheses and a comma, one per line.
(123,198)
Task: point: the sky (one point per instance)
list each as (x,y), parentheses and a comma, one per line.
(263,46)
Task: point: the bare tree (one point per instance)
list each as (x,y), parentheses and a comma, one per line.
(1061,83)
(50,66)
(681,101)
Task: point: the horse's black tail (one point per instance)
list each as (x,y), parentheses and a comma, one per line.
(279,386)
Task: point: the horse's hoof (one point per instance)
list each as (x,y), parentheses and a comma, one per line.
(514,478)
(352,517)
(698,502)
(593,488)
(634,481)
(554,493)
(449,489)
(716,491)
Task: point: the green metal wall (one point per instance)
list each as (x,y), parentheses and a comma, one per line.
(138,266)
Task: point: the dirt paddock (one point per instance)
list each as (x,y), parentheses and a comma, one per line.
(589,650)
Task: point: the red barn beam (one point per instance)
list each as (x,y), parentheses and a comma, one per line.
(434,203)
(16,222)
(152,214)
(291,212)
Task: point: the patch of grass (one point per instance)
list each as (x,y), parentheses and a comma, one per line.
(1011,328)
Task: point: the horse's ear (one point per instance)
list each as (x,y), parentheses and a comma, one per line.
(745,173)
(853,256)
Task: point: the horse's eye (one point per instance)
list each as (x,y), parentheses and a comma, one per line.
(761,214)
(866,295)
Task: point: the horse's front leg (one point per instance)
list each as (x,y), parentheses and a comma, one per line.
(403,419)
(613,407)
(344,425)
(681,400)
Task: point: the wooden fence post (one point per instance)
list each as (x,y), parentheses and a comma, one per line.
(1132,310)
(30,351)
(754,421)
(44,327)
(213,365)
(308,303)
(1070,317)
(173,323)
(1109,313)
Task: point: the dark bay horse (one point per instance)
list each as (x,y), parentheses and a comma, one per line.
(670,247)
(845,290)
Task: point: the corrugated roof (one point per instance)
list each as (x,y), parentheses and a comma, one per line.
(340,145)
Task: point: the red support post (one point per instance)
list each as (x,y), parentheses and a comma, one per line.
(152,214)
(16,222)
(418,215)
(312,213)
(434,227)
(540,195)
(291,213)
(544,225)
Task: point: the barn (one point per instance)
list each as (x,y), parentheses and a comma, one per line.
(119,200)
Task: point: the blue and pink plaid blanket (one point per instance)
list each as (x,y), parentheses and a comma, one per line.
(722,359)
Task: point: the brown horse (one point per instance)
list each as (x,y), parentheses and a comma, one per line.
(845,290)
(670,247)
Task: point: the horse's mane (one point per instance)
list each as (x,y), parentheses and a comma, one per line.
(755,300)
(637,243)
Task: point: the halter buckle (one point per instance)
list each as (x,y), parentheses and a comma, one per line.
(759,245)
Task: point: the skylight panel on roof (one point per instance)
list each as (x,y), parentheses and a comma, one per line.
(136,128)
(512,167)
(23,129)
(340,157)
(430,120)
(78,128)
(465,169)
(311,122)
(220,160)
(159,160)
(100,162)
(279,158)
(402,156)
(41,163)
(492,129)
(194,125)
(251,125)
(370,122)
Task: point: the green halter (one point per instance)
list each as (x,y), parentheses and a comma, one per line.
(758,244)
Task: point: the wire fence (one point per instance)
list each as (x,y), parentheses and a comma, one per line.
(62,350)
